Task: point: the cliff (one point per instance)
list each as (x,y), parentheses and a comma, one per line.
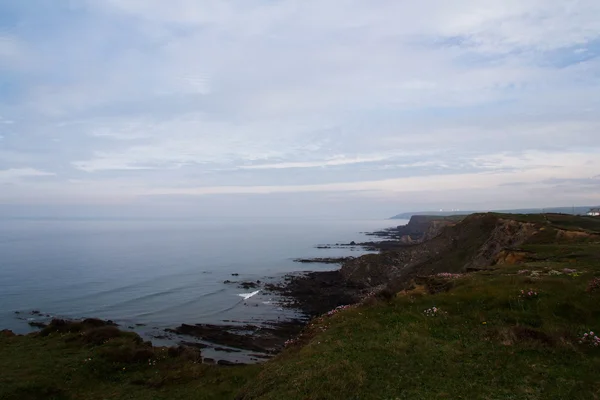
(477,242)
(516,320)
(419,228)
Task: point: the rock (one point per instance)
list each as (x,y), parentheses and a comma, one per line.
(226,350)
(475,242)
(6,333)
(326,260)
(37,324)
(64,326)
(264,338)
(195,344)
(209,361)
(260,356)
(248,285)
(236,274)
(185,352)
(228,363)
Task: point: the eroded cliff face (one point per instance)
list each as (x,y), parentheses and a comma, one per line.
(477,242)
(421,228)
(507,234)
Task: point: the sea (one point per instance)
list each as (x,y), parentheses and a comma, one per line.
(151,275)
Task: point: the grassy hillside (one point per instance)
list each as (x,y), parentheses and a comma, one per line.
(486,339)
(96,364)
(486,342)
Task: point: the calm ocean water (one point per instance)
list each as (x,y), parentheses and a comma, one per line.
(156,274)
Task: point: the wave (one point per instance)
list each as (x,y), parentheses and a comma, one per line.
(183,304)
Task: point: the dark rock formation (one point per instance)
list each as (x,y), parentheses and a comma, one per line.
(7,333)
(316,293)
(474,243)
(249,285)
(266,338)
(326,260)
(419,229)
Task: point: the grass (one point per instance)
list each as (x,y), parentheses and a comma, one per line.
(486,342)
(64,366)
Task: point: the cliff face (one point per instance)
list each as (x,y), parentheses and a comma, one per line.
(419,228)
(476,242)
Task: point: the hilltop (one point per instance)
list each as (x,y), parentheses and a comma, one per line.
(579,210)
(492,306)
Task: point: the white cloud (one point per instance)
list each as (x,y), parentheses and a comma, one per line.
(14,175)
(335,161)
(9,47)
(491,25)
(258,93)
(533,168)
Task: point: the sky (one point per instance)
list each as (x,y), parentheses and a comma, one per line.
(297,108)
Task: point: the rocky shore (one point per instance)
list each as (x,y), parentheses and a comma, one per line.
(310,294)
(424,247)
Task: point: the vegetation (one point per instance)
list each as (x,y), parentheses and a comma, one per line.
(74,361)
(522,330)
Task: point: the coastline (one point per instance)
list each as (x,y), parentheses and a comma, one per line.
(432,316)
(300,295)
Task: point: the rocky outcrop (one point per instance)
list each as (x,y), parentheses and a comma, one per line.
(507,234)
(474,243)
(418,229)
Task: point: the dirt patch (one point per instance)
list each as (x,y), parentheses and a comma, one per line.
(508,257)
(434,284)
(522,333)
(573,236)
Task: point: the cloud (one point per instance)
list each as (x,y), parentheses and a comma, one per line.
(532,168)
(9,48)
(15,175)
(335,161)
(134,98)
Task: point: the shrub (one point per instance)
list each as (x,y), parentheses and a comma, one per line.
(528,294)
(66,326)
(125,351)
(103,334)
(448,275)
(589,338)
(433,312)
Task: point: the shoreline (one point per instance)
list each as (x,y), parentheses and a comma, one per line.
(305,294)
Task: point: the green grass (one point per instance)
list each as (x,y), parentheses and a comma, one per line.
(488,344)
(61,367)
(491,344)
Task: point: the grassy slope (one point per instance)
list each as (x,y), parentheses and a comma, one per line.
(57,367)
(490,345)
